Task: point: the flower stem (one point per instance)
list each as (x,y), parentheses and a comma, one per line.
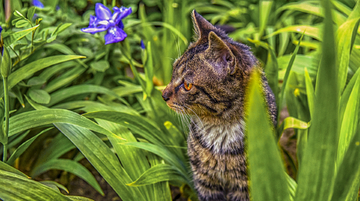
(6,128)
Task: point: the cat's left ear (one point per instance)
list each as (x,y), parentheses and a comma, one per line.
(221,52)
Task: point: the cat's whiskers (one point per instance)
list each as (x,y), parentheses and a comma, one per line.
(202,125)
(185,117)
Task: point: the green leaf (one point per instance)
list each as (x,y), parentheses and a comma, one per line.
(60,95)
(23,147)
(12,38)
(291,122)
(32,119)
(109,166)
(64,79)
(347,179)
(315,177)
(265,8)
(158,173)
(39,96)
(6,63)
(349,121)
(85,51)
(58,146)
(78,198)
(288,69)
(309,92)
(54,185)
(16,187)
(34,81)
(345,39)
(31,12)
(21,23)
(61,48)
(33,67)
(264,160)
(165,154)
(69,166)
(149,71)
(100,66)
(8,168)
(307,30)
(137,124)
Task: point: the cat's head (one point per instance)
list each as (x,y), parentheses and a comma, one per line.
(209,79)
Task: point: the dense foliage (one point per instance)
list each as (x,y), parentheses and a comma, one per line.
(67,96)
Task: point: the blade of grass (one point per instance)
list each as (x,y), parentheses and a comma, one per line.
(345,39)
(265,164)
(318,163)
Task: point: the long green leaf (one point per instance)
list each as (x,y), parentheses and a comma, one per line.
(265,8)
(265,164)
(137,124)
(345,39)
(32,119)
(309,92)
(163,153)
(318,163)
(80,89)
(69,166)
(159,173)
(8,168)
(35,66)
(288,69)
(12,38)
(22,148)
(349,121)
(311,31)
(347,179)
(102,158)
(58,146)
(15,187)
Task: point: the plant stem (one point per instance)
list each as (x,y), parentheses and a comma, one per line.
(6,129)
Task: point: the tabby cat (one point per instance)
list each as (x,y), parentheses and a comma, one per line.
(209,81)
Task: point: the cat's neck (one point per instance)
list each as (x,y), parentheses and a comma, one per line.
(225,138)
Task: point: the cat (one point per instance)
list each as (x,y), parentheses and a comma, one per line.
(209,82)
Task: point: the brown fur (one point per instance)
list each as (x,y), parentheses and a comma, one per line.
(219,70)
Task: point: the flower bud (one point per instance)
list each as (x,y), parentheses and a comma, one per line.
(5,63)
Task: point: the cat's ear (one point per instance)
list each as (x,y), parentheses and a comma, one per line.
(201,25)
(221,52)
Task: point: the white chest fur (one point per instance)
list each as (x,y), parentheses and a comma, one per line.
(219,138)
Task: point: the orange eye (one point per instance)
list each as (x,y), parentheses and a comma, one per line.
(187,85)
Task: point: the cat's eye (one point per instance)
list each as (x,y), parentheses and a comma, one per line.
(187,85)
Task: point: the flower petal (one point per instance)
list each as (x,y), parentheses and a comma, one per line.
(93,29)
(125,12)
(93,21)
(122,13)
(142,45)
(121,25)
(114,35)
(102,12)
(37,3)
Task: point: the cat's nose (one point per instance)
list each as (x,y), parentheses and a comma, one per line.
(166,94)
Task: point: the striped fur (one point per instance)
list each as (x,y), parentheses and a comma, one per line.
(218,69)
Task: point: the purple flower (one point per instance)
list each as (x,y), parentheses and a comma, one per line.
(37,3)
(142,44)
(105,21)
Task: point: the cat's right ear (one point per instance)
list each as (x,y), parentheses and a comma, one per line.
(219,51)
(201,25)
